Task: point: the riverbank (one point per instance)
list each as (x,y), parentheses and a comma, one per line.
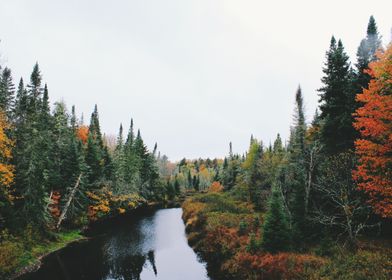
(19,256)
(23,254)
(149,245)
(226,233)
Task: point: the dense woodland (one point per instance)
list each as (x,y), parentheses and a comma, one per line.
(283,210)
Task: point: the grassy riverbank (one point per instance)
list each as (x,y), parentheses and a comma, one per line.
(21,254)
(227,233)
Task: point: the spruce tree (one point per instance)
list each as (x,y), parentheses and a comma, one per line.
(253,177)
(276,234)
(366,53)
(337,101)
(7,91)
(32,152)
(93,160)
(20,108)
(297,166)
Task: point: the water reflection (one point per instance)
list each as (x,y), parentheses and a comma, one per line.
(150,247)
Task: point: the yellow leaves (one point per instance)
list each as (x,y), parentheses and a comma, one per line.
(6,169)
(104,202)
(132,205)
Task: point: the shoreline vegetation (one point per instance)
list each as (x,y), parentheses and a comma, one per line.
(226,231)
(26,261)
(31,254)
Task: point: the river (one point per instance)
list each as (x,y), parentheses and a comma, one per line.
(149,246)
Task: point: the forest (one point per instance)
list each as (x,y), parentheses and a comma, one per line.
(317,206)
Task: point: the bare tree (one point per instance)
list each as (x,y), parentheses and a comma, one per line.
(342,206)
(312,160)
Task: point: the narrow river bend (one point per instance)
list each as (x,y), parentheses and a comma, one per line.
(152,246)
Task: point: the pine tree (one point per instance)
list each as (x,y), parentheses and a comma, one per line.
(93,160)
(97,154)
(297,166)
(276,234)
(7,90)
(177,185)
(76,166)
(253,177)
(337,101)
(32,152)
(73,119)
(367,53)
(64,142)
(189,177)
(20,108)
(119,161)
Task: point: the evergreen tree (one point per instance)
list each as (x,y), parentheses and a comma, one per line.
(120,164)
(32,152)
(76,166)
(20,108)
(297,166)
(7,90)
(276,234)
(177,185)
(61,141)
(367,53)
(97,155)
(337,101)
(253,177)
(73,119)
(93,160)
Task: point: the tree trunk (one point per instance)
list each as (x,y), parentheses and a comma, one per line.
(72,194)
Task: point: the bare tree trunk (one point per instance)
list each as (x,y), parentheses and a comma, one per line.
(309,184)
(313,160)
(72,194)
(50,200)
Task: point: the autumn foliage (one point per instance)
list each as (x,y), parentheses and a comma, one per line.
(215,187)
(374,148)
(104,203)
(6,169)
(82,133)
(54,207)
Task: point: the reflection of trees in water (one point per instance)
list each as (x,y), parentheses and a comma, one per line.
(130,267)
(151,258)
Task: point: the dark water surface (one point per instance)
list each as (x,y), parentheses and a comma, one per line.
(153,246)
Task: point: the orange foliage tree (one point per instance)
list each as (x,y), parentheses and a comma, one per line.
(6,169)
(215,187)
(82,133)
(374,147)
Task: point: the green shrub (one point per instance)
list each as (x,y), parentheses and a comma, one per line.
(253,245)
(10,252)
(361,266)
(243,227)
(217,202)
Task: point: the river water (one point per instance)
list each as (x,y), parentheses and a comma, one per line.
(150,246)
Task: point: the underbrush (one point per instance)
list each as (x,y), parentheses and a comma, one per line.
(226,232)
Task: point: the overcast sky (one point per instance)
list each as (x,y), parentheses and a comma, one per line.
(194,75)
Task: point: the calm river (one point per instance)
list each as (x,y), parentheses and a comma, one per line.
(151,246)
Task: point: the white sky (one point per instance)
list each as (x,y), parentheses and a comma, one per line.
(194,75)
